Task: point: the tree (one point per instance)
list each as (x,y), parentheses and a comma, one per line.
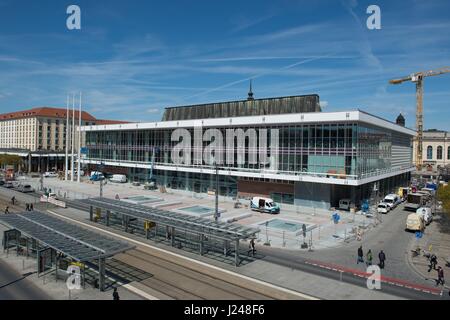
(443,195)
(10,159)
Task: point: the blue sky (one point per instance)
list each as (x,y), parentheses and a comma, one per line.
(133,58)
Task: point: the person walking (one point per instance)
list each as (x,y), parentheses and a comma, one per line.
(27,207)
(369,258)
(433,262)
(440,279)
(360,255)
(6,210)
(13,200)
(31,207)
(382,258)
(116,295)
(252,247)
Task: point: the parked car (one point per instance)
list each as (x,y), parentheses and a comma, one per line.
(383,208)
(426,214)
(96,176)
(25,188)
(264,205)
(8,184)
(50,174)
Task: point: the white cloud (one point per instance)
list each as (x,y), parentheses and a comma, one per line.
(323,104)
(153,110)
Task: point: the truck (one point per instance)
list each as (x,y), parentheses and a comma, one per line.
(119,178)
(264,205)
(414,201)
(415,222)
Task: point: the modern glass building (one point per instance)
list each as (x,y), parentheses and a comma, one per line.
(305,159)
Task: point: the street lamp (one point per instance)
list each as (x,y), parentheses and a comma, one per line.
(100,166)
(216,212)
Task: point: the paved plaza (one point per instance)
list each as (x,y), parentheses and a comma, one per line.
(281,231)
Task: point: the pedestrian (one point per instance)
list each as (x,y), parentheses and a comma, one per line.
(31,207)
(13,200)
(440,279)
(27,207)
(360,255)
(433,262)
(117,197)
(252,247)
(382,258)
(6,210)
(369,258)
(116,295)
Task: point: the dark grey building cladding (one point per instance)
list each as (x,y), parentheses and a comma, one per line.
(257,107)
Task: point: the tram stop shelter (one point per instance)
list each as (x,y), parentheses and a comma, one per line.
(56,243)
(199,234)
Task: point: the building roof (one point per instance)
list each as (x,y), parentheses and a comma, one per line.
(51,112)
(262,120)
(45,112)
(242,108)
(103,121)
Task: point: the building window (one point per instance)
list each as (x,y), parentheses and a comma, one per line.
(439,153)
(429,153)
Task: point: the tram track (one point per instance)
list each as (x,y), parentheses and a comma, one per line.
(204,286)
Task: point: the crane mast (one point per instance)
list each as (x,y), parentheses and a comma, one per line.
(418,78)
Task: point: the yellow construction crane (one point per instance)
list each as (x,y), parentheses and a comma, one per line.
(418,79)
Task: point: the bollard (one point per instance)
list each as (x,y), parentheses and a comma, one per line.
(23,264)
(319,231)
(69,295)
(340,277)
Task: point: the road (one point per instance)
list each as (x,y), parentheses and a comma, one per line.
(15,286)
(389,236)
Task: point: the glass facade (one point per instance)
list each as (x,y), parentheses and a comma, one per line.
(350,150)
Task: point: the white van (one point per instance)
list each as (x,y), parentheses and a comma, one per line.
(392,200)
(345,204)
(426,214)
(264,205)
(119,178)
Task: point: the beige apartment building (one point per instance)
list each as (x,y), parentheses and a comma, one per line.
(436,149)
(39,135)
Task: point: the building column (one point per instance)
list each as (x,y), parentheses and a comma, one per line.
(101,274)
(29,163)
(236,253)
(201,244)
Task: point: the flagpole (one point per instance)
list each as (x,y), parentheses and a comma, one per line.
(79,145)
(66,171)
(72,138)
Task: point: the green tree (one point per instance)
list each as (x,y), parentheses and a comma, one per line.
(443,195)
